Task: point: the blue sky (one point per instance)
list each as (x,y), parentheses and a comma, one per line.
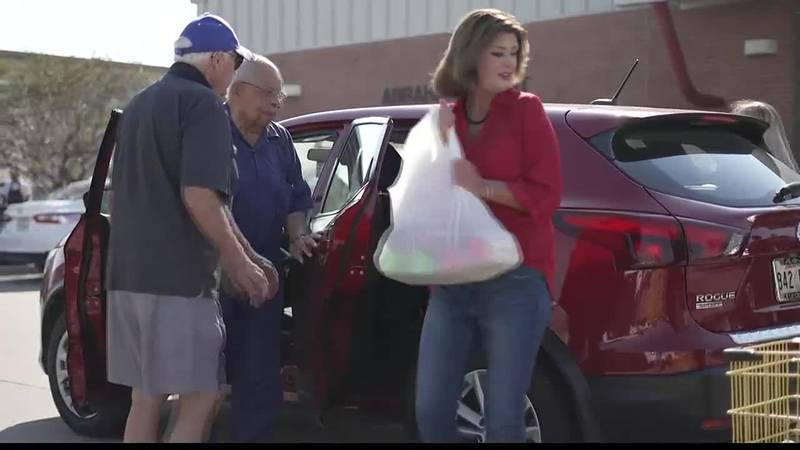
(140,31)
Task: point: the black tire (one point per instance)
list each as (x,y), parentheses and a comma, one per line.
(553,405)
(550,400)
(108,419)
(410,430)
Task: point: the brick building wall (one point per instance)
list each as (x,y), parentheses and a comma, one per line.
(577,60)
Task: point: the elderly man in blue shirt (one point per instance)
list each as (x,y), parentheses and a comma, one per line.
(271,199)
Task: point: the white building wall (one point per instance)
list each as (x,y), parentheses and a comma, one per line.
(277,26)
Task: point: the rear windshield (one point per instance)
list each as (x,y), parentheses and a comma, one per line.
(709,164)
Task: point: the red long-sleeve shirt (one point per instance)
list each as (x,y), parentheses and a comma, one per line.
(517,145)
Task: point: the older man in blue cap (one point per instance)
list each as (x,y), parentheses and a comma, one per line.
(174,175)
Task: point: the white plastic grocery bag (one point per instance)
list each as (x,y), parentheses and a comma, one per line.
(440,233)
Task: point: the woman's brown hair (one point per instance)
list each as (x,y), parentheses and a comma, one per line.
(458,70)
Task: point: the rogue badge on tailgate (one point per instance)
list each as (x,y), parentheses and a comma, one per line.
(714,300)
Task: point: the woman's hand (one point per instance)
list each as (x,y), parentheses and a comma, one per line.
(446,118)
(466,176)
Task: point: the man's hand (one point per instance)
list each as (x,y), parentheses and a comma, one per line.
(304,245)
(270,272)
(246,278)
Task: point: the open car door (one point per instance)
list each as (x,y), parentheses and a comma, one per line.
(84,292)
(330,288)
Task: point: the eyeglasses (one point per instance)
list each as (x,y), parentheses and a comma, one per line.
(237,59)
(278,95)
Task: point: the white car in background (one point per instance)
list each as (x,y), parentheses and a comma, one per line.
(29,230)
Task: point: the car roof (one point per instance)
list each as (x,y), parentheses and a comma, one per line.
(589,118)
(417,111)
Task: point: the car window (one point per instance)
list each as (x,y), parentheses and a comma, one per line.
(312,151)
(713,165)
(355,165)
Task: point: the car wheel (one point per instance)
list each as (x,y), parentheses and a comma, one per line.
(104,420)
(547,417)
(470,416)
(554,406)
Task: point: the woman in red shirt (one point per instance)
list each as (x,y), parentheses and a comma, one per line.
(512,163)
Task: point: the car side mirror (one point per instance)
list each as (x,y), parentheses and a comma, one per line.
(318,154)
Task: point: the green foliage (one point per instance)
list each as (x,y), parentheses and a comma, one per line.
(56,111)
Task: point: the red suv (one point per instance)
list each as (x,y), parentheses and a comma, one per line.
(677,237)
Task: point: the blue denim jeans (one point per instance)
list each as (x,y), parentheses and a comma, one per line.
(506,317)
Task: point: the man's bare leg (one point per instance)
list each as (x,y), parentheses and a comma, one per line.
(173,417)
(175,409)
(224,393)
(144,417)
(194,412)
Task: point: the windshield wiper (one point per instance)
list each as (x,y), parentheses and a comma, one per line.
(788,192)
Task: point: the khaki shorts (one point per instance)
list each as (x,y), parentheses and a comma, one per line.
(165,344)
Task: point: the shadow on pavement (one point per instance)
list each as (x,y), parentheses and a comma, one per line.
(341,426)
(294,425)
(55,430)
(44,430)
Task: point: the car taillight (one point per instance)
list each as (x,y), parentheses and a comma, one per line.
(637,241)
(709,241)
(56,218)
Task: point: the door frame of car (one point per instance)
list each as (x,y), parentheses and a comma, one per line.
(325,286)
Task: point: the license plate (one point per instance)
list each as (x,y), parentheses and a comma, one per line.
(23,223)
(786,272)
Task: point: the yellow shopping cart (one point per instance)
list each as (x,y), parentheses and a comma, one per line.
(765,391)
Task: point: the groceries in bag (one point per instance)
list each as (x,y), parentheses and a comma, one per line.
(440,233)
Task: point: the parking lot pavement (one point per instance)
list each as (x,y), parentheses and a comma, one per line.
(27,412)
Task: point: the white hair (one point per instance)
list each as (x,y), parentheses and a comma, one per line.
(196,59)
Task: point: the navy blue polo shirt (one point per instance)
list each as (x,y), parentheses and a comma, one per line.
(270,187)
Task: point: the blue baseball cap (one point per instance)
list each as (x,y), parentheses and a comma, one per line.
(209,33)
